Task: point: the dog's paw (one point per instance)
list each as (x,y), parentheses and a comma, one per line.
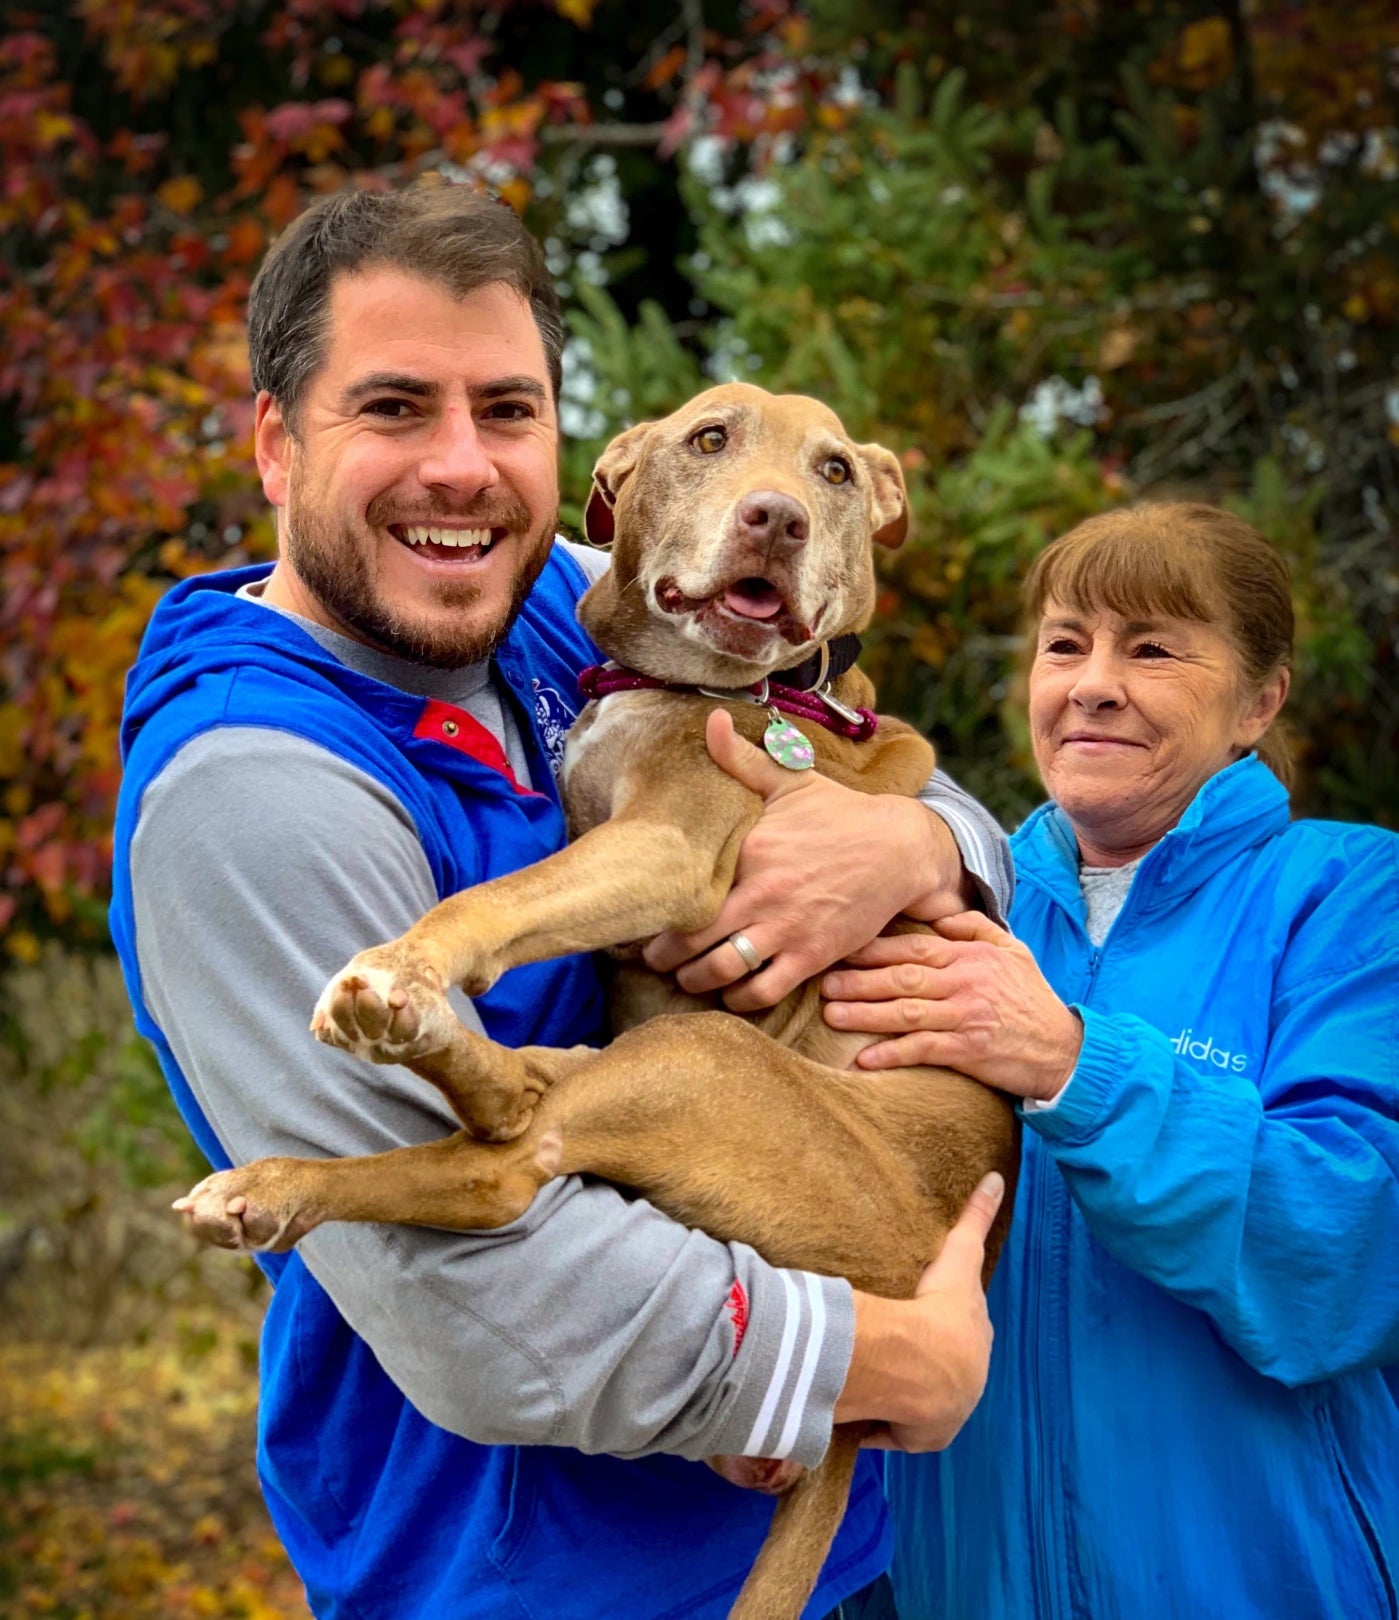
(241,1209)
(386,1006)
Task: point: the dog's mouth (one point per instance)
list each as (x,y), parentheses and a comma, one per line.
(754,598)
(746,609)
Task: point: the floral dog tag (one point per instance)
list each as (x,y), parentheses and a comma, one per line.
(787,745)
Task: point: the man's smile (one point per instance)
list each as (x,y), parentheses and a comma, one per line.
(447,545)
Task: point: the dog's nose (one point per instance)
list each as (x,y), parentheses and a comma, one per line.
(768,519)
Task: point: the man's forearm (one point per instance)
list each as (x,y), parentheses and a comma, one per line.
(919,1365)
(976,867)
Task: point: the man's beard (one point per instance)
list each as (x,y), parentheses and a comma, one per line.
(337,566)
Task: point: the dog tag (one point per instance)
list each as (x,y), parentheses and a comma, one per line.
(787,745)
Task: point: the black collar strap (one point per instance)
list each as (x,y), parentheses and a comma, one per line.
(830,660)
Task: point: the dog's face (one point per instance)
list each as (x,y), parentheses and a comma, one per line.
(741,529)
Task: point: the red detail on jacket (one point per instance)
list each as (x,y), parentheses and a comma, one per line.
(738,1312)
(455,727)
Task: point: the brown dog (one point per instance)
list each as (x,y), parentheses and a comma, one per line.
(742,527)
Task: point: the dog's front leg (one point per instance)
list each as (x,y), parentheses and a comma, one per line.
(654,868)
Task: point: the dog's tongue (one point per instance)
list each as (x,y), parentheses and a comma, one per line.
(753,599)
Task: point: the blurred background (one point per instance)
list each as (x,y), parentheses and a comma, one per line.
(1056,253)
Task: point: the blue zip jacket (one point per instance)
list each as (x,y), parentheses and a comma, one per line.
(1192,1403)
(386,1516)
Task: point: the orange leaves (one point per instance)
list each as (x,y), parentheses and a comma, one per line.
(182,194)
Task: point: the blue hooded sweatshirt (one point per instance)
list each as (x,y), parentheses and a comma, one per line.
(1192,1402)
(386,1516)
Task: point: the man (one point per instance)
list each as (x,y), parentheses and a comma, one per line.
(315,755)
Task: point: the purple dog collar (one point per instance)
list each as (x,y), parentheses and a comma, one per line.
(601,680)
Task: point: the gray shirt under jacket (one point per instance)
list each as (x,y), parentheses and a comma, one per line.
(593,1321)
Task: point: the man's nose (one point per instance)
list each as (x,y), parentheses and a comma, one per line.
(771,521)
(456,458)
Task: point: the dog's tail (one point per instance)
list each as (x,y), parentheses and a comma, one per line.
(801,1533)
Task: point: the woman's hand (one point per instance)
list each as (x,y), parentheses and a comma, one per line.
(967,996)
(819,875)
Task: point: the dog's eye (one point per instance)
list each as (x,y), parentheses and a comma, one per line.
(836,470)
(708,441)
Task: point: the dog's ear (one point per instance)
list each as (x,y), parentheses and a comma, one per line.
(889,512)
(614,467)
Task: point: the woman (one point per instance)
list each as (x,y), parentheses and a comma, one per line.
(1192,1409)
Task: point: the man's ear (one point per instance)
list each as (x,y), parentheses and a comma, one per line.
(614,467)
(272,444)
(889,503)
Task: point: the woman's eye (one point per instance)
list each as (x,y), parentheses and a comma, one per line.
(1151,649)
(836,470)
(1062,645)
(710,440)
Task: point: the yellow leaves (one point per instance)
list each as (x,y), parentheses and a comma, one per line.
(1118,345)
(578,12)
(1204,55)
(50,128)
(133,1490)
(182,195)
(13,724)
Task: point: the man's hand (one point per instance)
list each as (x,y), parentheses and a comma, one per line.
(920,1365)
(823,871)
(968,997)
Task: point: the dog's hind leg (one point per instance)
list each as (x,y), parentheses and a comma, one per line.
(457,1183)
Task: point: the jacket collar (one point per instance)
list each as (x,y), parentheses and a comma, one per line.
(1239,807)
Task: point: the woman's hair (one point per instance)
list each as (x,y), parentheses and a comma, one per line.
(1185,561)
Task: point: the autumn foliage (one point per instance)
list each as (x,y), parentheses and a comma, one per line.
(1056,253)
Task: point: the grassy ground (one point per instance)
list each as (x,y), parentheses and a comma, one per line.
(127,1485)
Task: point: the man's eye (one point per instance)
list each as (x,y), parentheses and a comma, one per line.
(836,470)
(392,410)
(709,440)
(509,410)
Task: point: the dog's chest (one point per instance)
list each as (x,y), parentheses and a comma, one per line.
(625,733)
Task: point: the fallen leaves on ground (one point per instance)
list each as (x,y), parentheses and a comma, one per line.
(128,1489)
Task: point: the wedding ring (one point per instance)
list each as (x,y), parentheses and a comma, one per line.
(744,946)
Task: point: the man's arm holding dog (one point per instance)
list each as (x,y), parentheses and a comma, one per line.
(259,861)
(826,868)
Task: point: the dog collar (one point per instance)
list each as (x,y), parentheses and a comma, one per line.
(820,707)
(830,660)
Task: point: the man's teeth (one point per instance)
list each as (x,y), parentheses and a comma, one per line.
(418,536)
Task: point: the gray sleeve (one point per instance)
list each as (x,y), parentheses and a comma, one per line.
(261,863)
(984,846)
(591,559)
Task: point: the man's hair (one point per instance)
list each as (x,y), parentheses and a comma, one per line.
(451,234)
(1187,561)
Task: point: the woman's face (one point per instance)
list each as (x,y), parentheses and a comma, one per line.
(1129,718)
